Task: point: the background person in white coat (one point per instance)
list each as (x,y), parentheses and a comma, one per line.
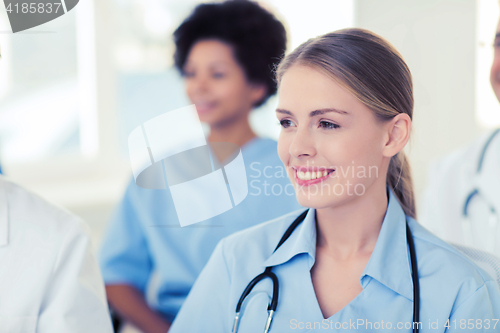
(49,278)
(462,201)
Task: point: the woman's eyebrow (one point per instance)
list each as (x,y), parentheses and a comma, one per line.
(219,63)
(323,111)
(284,111)
(316,112)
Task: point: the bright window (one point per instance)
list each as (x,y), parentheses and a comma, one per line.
(39,116)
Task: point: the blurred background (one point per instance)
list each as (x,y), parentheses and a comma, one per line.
(72,89)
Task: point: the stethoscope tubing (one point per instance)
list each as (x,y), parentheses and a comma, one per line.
(416,283)
(274,301)
(475,191)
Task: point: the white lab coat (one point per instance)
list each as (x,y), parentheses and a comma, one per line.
(49,279)
(451,180)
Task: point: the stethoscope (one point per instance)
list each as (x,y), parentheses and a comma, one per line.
(494,219)
(274,301)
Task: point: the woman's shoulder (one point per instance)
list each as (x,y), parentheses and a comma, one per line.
(466,285)
(24,206)
(29,219)
(261,239)
(458,264)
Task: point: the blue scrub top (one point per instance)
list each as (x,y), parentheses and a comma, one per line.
(145,247)
(451,286)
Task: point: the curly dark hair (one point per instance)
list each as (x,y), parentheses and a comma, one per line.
(258,39)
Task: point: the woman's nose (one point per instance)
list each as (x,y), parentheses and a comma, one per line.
(200,84)
(302,144)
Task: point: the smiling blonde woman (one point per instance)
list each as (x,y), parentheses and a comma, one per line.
(356,259)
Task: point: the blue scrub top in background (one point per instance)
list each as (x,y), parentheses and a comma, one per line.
(144,241)
(451,286)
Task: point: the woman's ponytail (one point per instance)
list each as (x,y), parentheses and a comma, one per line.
(400,181)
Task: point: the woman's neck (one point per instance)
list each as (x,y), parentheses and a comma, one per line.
(238,132)
(352,228)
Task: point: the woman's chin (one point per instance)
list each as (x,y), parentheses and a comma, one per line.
(212,119)
(314,200)
(205,118)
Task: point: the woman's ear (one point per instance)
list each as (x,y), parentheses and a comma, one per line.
(398,134)
(258,91)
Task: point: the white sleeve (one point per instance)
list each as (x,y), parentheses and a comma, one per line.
(443,201)
(75,299)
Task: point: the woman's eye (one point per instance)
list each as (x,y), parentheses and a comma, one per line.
(328,125)
(285,123)
(218,75)
(187,74)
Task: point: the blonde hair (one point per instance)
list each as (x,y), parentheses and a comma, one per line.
(376,74)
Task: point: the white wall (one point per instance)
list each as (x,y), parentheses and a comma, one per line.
(437,38)
(91,183)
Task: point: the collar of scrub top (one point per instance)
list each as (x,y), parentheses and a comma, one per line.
(252,146)
(4,217)
(389,263)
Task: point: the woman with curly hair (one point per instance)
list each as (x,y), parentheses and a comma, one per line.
(226,53)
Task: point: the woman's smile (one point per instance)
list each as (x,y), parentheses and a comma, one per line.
(305,176)
(204,107)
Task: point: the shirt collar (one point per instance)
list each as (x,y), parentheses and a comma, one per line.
(389,263)
(302,240)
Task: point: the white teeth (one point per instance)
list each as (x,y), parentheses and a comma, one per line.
(304,175)
(308,175)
